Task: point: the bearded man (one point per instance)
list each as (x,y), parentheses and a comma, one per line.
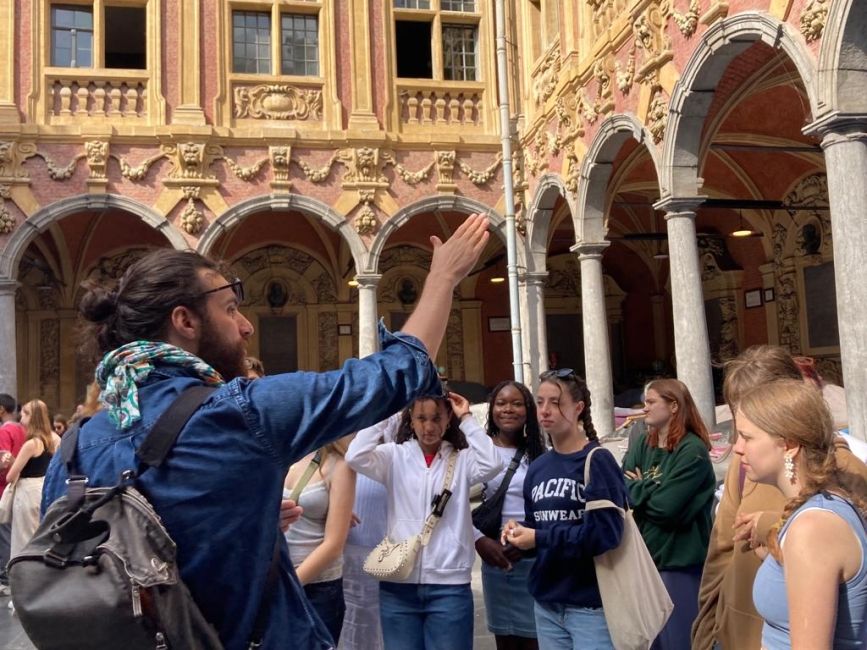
(173,322)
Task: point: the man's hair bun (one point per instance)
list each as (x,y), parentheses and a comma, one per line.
(98,304)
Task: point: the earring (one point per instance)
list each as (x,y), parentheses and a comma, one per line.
(789,469)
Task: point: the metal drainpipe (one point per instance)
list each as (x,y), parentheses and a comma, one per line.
(511,237)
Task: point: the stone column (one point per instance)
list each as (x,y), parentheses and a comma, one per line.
(8,109)
(8,342)
(532,286)
(691,346)
(657,304)
(189,66)
(844,139)
(368,341)
(597,351)
(361,116)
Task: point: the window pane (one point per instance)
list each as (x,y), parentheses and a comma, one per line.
(459,5)
(125,32)
(300,44)
(71,36)
(412,4)
(459,52)
(251,42)
(413,47)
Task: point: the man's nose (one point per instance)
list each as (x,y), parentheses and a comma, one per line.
(245,327)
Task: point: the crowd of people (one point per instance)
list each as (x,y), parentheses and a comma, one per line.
(337,462)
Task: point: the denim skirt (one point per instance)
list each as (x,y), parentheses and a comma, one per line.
(508,603)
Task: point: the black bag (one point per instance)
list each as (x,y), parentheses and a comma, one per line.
(101,571)
(488,517)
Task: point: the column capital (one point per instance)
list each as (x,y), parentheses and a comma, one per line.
(367,280)
(838,127)
(8,287)
(679,206)
(590,250)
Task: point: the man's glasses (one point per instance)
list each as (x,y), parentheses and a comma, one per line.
(235,285)
(559,373)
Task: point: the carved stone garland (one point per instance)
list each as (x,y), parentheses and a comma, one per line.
(7,221)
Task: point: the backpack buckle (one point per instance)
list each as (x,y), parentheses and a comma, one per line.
(54,560)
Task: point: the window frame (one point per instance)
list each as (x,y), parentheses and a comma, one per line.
(439,19)
(97,8)
(276,10)
(73,31)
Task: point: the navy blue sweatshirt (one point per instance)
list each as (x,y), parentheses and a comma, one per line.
(567,537)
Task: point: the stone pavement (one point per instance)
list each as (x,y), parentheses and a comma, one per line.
(12,636)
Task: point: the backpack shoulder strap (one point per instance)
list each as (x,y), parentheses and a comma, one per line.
(165,432)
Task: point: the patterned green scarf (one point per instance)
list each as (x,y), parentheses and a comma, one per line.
(123,369)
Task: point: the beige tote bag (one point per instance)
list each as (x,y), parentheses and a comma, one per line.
(634,599)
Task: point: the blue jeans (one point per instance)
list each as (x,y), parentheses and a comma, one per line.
(426,617)
(327,599)
(563,627)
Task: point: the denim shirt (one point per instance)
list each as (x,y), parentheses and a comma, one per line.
(219,491)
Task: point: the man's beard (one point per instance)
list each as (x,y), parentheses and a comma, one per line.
(225,359)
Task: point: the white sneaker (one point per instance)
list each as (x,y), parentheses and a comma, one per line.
(11,606)
(5,590)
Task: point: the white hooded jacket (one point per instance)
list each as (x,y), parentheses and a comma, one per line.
(412,486)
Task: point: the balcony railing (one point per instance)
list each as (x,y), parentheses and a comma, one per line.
(88,95)
(433,104)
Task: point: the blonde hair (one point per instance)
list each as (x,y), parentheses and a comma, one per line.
(791,410)
(757,365)
(39,425)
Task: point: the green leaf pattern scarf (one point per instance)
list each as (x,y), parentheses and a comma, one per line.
(121,371)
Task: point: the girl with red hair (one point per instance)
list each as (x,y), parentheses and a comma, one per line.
(671,484)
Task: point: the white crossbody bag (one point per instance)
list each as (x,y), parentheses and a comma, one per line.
(396,560)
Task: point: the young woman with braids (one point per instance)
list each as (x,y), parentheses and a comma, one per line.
(727,617)
(568,606)
(433,607)
(513,426)
(671,484)
(812,589)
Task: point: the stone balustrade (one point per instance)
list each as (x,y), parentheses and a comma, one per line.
(441,104)
(71,99)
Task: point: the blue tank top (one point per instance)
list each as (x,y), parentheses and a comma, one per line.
(769,588)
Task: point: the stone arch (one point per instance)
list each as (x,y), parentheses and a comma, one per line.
(596,170)
(44,217)
(842,77)
(541,214)
(693,93)
(271,202)
(433,204)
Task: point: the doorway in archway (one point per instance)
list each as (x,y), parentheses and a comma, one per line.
(278,343)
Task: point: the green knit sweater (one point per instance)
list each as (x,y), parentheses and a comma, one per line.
(672,501)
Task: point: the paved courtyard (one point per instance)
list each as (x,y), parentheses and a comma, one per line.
(12,636)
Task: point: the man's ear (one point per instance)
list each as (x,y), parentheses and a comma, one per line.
(185,327)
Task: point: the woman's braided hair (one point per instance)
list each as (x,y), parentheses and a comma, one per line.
(576,386)
(452,433)
(796,412)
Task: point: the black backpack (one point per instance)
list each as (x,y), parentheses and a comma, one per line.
(101,570)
